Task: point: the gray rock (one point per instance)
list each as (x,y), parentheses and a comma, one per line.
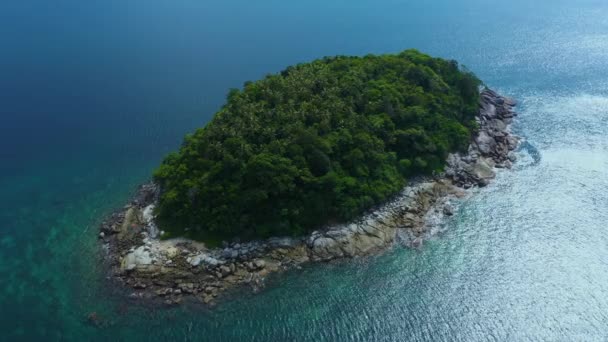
(448,210)
(186,287)
(259,263)
(482,170)
(512,142)
(138,257)
(488,110)
(194,261)
(497,126)
(326,248)
(203,259)
(225,271)
(483,182)
(164,292)
(250,266)
(282,242)
(228,253)
(485,143)
(510,102)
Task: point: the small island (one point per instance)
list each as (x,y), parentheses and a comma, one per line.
(333,159)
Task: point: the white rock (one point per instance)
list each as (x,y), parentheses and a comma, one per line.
(148,213)
(148,216)
(139,256)
(204,259)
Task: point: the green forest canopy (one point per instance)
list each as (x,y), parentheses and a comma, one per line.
(320,142)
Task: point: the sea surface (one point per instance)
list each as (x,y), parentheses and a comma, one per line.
(94,93)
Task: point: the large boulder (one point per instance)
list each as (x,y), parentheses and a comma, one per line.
(485,143)
(351,240)
(364,244)
(129,224)
(204,259)
(488,110)
(259,263)
(325,248)
(497,127)
(139,257)
(483,171)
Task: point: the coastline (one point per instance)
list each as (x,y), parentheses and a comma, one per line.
(176,269)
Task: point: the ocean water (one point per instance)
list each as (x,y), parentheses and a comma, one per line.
(93,94)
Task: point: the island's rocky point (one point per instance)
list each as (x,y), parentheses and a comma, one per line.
(174,269)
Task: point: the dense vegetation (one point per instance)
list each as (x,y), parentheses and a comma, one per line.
(320,142)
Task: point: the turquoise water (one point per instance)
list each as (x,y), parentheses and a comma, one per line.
(93,95)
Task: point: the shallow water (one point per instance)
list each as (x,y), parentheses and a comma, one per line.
(93,95)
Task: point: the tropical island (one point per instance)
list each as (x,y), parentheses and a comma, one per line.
(319,142)
(335,158)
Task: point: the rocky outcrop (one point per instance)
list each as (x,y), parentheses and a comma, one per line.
(171,269)
(137,258)
(379,229)
(490,147)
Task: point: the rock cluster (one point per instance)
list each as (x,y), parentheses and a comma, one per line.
(491,146)
(177,268)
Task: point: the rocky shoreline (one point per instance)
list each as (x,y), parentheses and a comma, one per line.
(175,269)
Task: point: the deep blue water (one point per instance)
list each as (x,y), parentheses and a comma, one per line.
(93,94)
